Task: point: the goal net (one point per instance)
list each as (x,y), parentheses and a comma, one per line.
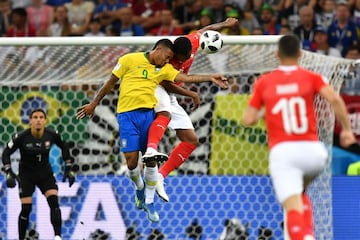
(223,187)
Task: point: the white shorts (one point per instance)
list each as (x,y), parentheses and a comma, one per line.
(179,118)
(290,162)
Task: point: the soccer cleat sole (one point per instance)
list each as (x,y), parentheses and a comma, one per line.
(160,158)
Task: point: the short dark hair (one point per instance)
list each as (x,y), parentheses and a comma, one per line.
(289,46)
(182,46)
(166,43)
(353,47)
(20,12)
(37,110)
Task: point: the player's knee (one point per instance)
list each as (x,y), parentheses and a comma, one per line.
(131,160)
(53,201)
(164,113)
(25,210)
(193,140)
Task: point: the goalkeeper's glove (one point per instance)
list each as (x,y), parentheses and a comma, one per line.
(10,177)
(69,174)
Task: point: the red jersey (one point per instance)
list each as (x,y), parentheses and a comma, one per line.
(29,31)
(143,9)
(288,95)
(185,66)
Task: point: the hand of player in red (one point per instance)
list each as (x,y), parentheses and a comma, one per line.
(196,100)
(220,80)
(229,22)
(347,138)
(86,111)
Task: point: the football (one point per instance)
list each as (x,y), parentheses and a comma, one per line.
(211,41)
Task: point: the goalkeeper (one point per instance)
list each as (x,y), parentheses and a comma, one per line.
(35,170)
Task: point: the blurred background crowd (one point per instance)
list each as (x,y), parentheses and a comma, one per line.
(330,27)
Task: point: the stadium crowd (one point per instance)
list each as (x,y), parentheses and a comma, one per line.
(329,27)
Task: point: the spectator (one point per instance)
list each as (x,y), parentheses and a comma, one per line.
(40,17)
(20,26)
(284,29)
(342,31)
(147,12)
(353,52)
(95,29)
(321,43)
(20,3)
(56,3)
(206,18)
(356,13)
(257,31)
(5,10)
(327,14)
(217,8)
(79,13)
(188,14)
(61,25)
(290,14)
(306,30)
(107,12)
(167,25)
(351,84)
(127,27)
(267,20)
(237,29)
(249,21)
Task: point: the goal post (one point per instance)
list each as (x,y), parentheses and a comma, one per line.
(62,73)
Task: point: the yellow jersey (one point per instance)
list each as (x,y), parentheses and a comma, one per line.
(139,78)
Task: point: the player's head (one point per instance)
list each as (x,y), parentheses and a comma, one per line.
(182,49)
(162,52)
(37,119)
(37,110)
(289,47)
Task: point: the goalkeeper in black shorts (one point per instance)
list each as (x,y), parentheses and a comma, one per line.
(35,170)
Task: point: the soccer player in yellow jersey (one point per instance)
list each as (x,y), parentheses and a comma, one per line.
(139,74)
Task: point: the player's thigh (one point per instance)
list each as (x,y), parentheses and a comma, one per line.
(133,129)
(46,181)
(290,162)
(163,100)
(179,118)
(26,185)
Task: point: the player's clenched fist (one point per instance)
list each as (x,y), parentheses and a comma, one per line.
(10,178)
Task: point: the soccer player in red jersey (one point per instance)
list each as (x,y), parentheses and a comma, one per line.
(170,113)
(296,155)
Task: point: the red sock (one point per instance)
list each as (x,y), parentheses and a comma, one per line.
(157,130)
(295,225)
(179,155)
(308,215)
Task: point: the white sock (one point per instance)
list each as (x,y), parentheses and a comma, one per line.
(151,177)
(150,150)
(135,176)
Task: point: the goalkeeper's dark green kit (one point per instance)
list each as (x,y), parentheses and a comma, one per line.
(34,165)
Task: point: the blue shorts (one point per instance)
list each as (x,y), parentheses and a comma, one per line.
(133,129)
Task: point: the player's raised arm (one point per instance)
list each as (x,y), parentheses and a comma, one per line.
(89,109)
(229,22)
(218,79)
